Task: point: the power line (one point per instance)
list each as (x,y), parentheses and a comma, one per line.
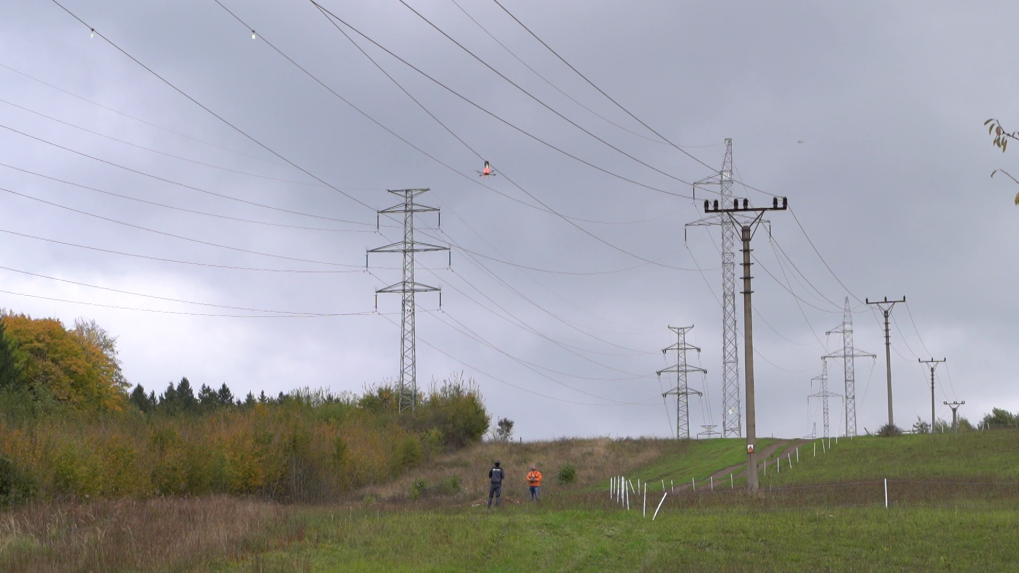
(168,299)
(543,104)
(156,151)
(214,114)
(164,233)
(330,14)
(181,313)
(357,268)
(496,378)
(118,112)
(620,106)
(170,181)
(184,210)
(547,81)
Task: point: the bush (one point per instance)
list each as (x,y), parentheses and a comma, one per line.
(416,488)
(889,430)
(566,475)
(16,485)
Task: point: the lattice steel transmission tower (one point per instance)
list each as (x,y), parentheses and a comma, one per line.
(823,394)
(731,407)
(407,386)
(682,390)
(848,355)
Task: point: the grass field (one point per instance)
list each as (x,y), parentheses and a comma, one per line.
(529,539)
(954,505)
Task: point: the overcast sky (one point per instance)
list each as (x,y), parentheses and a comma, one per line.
(130,195)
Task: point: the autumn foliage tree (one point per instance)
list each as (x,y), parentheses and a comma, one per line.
(75,367)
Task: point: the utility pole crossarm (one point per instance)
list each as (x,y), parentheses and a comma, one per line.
(955,414)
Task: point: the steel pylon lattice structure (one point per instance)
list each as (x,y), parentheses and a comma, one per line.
(408,287)
(731,405)
(682,390)
(848,355)
(823,394)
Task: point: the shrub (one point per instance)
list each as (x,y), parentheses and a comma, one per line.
(416,488)
(453,485)
(889,430)
(566,475)
(16,485)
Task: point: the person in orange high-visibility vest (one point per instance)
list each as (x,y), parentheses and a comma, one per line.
(534,483)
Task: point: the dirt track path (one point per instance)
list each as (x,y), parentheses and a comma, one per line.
(740,470)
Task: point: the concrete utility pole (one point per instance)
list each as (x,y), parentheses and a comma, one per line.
(407,387)
(955,414)
(682,390)
(730,349)
(747,233)
(932,363)
(886,309)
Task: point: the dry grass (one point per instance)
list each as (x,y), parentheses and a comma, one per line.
(153,535)
(595,460)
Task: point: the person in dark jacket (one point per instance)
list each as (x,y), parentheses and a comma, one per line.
(495,476)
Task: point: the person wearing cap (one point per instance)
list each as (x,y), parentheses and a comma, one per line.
(534,483)
(495,475)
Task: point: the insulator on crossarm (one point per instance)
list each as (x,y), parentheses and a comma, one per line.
(746,204)
(706,205)
(716,204)
(785,202)
(774,202)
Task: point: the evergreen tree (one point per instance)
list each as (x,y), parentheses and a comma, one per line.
(141,400)
(226,397)
(208,399)
(186,395)
(169,402)
(249,400)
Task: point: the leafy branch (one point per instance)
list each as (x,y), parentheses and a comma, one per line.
(1001,137)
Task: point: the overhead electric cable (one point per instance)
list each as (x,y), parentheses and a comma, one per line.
(329,14)
(466,330)
(214,114)
(547,81)
(168,299)
(156,151)
(118,112)
(184,210)
(181,312)
(170,181)
(592,84)
(468,365)
(543,104)
(165,234)
(358,268)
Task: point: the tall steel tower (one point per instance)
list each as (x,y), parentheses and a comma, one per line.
(848,356)
(731,421)
(682,390)
(823,393)
(407,387)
